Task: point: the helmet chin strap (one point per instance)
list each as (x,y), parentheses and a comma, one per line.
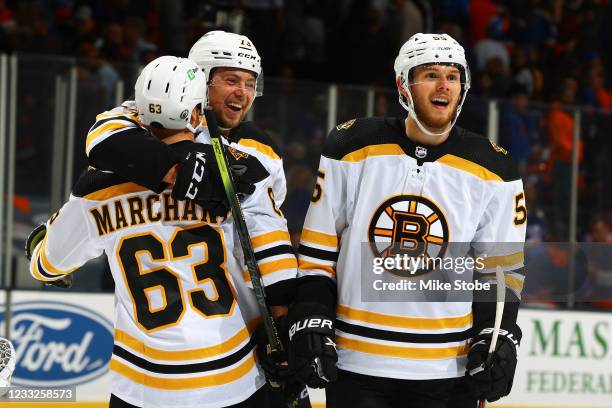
(411,112)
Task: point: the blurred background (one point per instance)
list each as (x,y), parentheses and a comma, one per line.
(541,88)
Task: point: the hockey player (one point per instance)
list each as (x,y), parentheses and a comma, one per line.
(184,314)
(234,76)
(387,184)
(117,143)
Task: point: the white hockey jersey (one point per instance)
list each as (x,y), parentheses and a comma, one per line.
(184,314)
(376,187)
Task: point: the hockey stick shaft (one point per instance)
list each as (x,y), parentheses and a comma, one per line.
(243,233)
(499,313)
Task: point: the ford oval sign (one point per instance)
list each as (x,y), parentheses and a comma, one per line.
(59,344)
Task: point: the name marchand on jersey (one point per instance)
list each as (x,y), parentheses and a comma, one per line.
(376,186)
(184,313)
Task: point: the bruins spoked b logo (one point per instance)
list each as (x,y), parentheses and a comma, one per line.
(411,228)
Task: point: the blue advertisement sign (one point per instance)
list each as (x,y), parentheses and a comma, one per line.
(58,344)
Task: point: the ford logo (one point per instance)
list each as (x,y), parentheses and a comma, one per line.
(59,344)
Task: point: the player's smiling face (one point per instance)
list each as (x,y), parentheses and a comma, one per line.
(435,92)
(231,94)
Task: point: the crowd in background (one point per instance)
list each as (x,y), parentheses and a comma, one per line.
(539,57)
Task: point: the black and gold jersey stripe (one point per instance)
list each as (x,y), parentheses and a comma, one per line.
(464,150)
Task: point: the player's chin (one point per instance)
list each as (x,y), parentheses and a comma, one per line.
(438,122)
(230,122)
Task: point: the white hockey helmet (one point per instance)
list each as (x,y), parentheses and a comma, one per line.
(167,91)
(217,49)
(427,49)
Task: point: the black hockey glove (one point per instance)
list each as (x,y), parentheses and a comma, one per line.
(198,177)
(275,367)
(37,235)
(287,390)
(493,379)
(312,347)
(65,282)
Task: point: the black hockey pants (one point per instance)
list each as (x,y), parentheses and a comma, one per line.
(353,390)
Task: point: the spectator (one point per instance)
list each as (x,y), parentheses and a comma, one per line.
(481,14)
(518,127)
(489,49)
(595,93)
(133,34)
(111,44)
(561,144)
(599,231)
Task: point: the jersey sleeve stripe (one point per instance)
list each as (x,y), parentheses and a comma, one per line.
(50,269)
(319,238)
(420,323)
(105,128)
(270,237)
(433,353)
(193,368)
(114,191)
(190,354)
(469,166)
(311,266)
(514,281)
(388,335)
(274,251)
(390,149)
(116,115)
(318,261)
(318,253)
(114,118)
(46,275)
(260,147)
(37,270)
(274,266)
(504,261)
(164,383)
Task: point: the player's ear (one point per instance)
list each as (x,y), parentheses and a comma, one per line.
(195,116)
(400,88)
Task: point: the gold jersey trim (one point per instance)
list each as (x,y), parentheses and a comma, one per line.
(469,166)
(416,353)
(309,266)
(504,261)
(189,383)
(260,147)
(420,323)
(107,127)
(115,191)
(319,238)
(270,237)
(274,266)
(390,149)
(191,354)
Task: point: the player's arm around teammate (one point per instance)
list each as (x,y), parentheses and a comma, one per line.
(118,142)
(140,221)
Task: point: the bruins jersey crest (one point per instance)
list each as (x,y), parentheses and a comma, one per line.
(409,225)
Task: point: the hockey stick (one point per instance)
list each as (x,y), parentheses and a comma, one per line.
(275,344)
(499,312)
